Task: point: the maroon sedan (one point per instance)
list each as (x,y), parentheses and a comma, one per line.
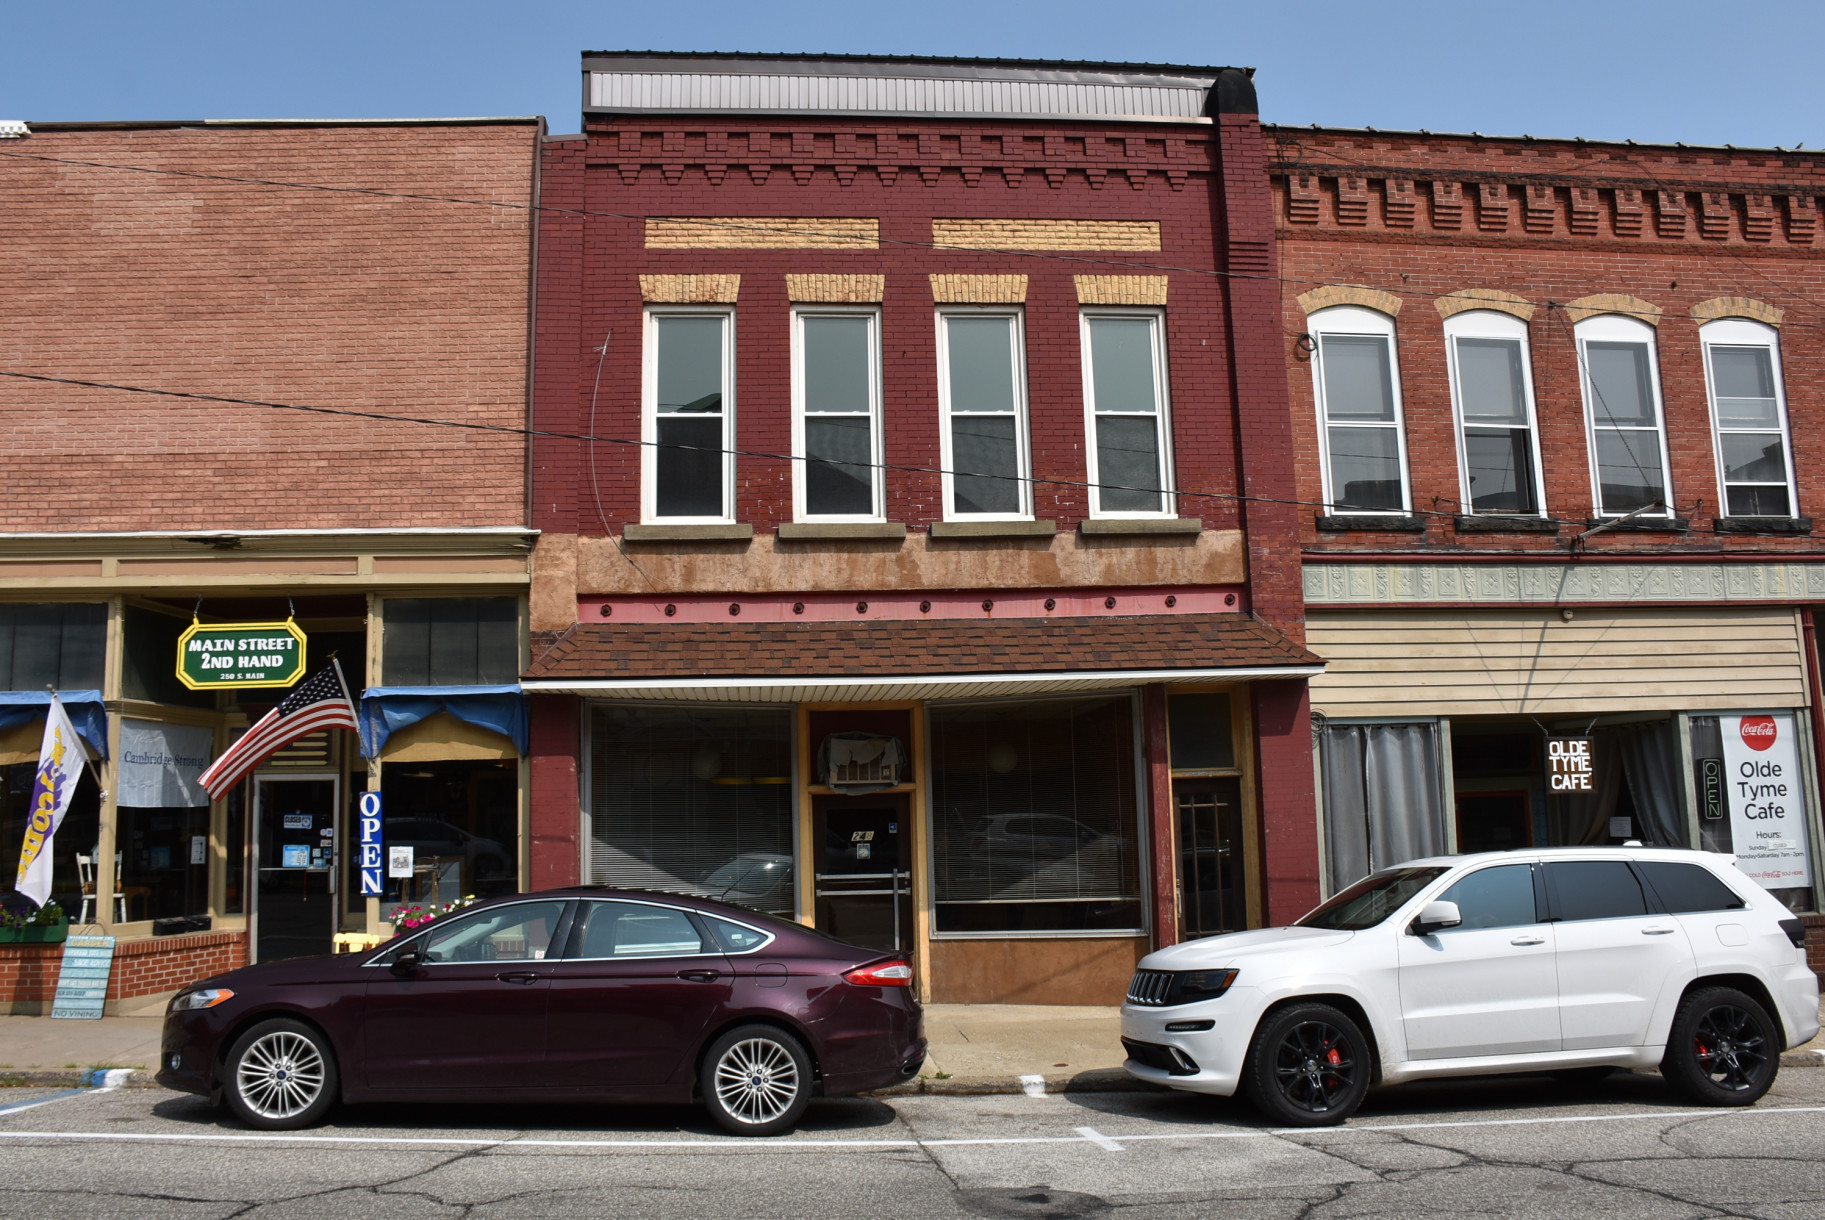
(568,995)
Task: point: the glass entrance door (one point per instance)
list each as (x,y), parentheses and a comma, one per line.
(1210,856)
(295,873)
(864,871)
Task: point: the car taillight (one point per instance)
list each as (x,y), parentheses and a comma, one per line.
(881,974)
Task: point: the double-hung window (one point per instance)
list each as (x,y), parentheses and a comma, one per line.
(1619,369)
(1125,401)
(1492,393)
(836,383)
(1357,383)
(982,394)
(688,458)
(1749,413)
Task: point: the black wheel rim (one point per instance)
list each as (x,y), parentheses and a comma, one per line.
(1731,1048)
(1315,1066)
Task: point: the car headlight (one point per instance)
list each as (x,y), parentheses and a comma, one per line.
(207,998)
(1193,985)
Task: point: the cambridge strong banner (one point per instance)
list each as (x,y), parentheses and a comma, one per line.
(240,654)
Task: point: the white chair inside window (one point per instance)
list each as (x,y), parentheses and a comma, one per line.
(85,873)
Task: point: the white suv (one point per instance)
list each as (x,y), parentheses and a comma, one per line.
(1575,961)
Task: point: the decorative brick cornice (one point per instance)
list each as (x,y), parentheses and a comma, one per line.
(689,289)
(1141,236)
(836,289)
(1737,307)
(1349,294)
(1613,302)
(763,233)
(1121,289)
(979,289)
(1484,298)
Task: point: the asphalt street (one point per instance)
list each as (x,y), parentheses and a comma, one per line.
(1515,1146)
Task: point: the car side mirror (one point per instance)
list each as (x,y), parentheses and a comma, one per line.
(1436,915)
(404,962)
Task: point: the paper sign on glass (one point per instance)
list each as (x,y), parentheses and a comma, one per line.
(399,861)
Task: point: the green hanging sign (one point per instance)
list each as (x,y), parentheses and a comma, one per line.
(240,655)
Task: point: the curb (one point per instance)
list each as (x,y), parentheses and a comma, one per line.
(1803,1058)
(78,1078)
(1096,1080)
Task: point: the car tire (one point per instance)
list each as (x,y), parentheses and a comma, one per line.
(1723,1049)
(280,1075)
(756,1080)
(1308,1066)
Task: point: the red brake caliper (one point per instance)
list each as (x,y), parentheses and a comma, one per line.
(1332,1057)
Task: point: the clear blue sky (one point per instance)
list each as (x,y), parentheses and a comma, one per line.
(1704,73)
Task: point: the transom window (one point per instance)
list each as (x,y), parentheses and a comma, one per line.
(1125,396)
(688,458)
(1492,395)
(1357,383)
(1749,414)
(1619,371)
(982,394)
(837,394)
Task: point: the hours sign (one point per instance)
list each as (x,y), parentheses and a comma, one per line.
(240,655)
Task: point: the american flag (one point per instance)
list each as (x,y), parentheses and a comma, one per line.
(321,701)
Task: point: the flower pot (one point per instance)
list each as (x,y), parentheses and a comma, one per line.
(36,934)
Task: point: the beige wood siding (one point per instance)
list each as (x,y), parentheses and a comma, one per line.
(1482,663)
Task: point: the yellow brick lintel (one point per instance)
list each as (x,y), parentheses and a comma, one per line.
(1349,294)
(1613,302)
(979,289)
(1737,307)
(763,233)
(1121,289)
(836,289)
(689,289)
(1135,235)
(1465,299)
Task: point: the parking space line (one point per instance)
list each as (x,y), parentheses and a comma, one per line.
(1099,1139)
(40,1101)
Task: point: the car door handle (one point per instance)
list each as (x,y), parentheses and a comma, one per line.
(1528,940)
(698,976)
(1657,931)
(522,977)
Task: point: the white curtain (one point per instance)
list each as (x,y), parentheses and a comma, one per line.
(1383,802)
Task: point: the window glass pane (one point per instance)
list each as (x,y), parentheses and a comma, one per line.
(1034,816)
(1121,363)
(981,363)
(156,853)
(690,364)
(697,800)
(986,461)
(1744,376)
(836,364)
(1628,470)
(59,644)
(462,822)
(632,929)
(1759,502)
(1370,900)
(518,932)
(1688,887)
(1754,457)
(79,834)
(839,476)
(1201,734)
(733,937)
(443,641)
(1621,390)
(1489,380)
(1358,377)
(1500,461)
(688,467)
(1365,469)
(1495,897)
(1595,889)
(1128,463)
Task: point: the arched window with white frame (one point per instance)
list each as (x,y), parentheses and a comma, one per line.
(1619,368)
(1748,418)
(1361,430)
(1492,400)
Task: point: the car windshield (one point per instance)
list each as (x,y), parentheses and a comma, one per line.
(1370,900)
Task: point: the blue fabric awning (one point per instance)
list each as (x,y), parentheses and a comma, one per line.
(499,709)
(87,712)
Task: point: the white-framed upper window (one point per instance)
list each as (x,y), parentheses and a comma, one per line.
(1749,418)
(1126,412)
(982,396)
(1361,431)
(836,413)
(688,420)
(1492,398)
(1619,367)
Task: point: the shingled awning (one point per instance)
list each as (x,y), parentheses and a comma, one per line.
(943,659)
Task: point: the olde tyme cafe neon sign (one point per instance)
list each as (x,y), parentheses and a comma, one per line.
(240,655)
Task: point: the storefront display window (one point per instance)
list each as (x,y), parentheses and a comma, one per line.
(462,822)
(450,641)
(164,861)
(1383,797)
(696,800)
(1034,817)
(59,644)
(80,831)
(148,672)
(1751,799)
(234,888)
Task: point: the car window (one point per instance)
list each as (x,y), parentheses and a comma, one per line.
(1683,888)
(1501,897)
(1595,889)
(733,937)
(519,932)
(634,929)
(1370,900)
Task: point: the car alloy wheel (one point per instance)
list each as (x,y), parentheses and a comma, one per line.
(1723,1048)
(1308,1065)
(1730,1051)
(756,1080)
(280,1075)
(1314,1066)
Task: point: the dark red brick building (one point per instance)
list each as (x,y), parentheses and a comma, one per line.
(907,580)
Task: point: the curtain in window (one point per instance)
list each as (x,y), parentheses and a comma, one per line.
(1644,759)
(1383,802)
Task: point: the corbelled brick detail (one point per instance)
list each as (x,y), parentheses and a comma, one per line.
(1484,298)
(1349,294)
(1121,289)
(979,289)
(1022,234)
(1613,302)
(762,233)
(836,289)
(1737,307)
(690,289)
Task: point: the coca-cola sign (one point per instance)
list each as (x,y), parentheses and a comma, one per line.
(1758,732)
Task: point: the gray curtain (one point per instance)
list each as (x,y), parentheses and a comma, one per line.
(1383,802)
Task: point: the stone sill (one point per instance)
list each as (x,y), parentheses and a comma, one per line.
(1499,524)
(993,529)
(1640,525)
(1763,525)
(1364,523)
(836,531)
(1116,527)
(688,533)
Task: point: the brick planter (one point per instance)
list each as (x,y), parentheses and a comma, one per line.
(28,973)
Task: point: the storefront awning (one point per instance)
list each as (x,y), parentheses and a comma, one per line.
(87,713)
(387,709)
(946,659)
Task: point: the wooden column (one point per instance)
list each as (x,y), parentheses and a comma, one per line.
(1159,816)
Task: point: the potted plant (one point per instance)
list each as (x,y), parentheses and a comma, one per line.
(48,925)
